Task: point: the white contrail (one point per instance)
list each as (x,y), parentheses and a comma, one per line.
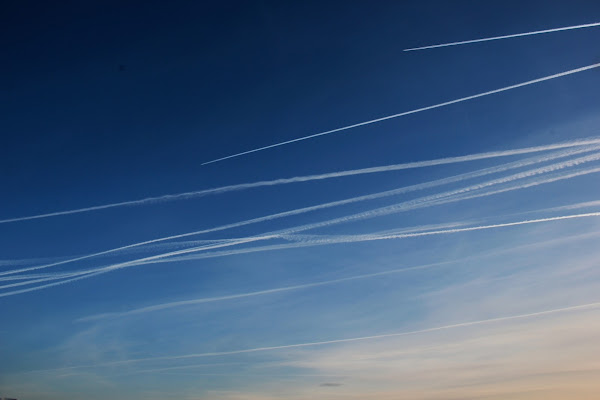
(164,306)
(222,243)
(459,194)
(36,276)
(400,207)
(446,103)
(580,307)
(31,281)
(315,240)
(344,239)
(457,178)
(451,196)
(371,237)
(141,261)
(348,239)
(566,28)
(593,203)
(154,259)
(437,199)
(307,178)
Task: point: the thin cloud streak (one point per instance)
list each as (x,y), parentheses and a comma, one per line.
(443,198)
(141,261)
(308,178)
(363,238)
(417,110)
(315,240)
(154,259)
(461,194)
(334,240)
(580,307)
(426,185)
(566,28)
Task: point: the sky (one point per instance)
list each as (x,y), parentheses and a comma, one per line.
(446,252)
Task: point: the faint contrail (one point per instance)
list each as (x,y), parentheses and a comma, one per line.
(356,238)
(154,259)
(47,278)
(460,194)
(363,238)
(347,340)
(593,203)
(566,28)
(164,306)
(141,261)
(340,239)
(446,103)
(457,178)
(437,199)
(400,207)
(307,178)
(163,257)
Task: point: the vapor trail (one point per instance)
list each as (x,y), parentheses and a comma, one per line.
(460,194)
(451,196)
(315,240)
(580,307)
(457,178)
(307,178)
(165,306)
(363,238)
(400,207)
(154,259)
(141,261)
(47,278)
(349,238)
(223,243)
(346,239)
(566,28)
(446,103)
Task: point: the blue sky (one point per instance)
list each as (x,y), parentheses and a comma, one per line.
(106,102)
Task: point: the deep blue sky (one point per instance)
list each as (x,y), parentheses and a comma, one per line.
(107,101)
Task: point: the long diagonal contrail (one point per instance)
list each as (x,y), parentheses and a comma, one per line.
(437,199)
(565,28)
(340,239)
(580,307)
(347,239)
(457,178)
(417,110)
(315,241)
(308,178)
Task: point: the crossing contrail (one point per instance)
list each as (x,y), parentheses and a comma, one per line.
(165,306)
(363,238)
(565,28)
(308,178)
(396,208)
(417,110)
(456,178)
(580,307)
(462,193)
(340,239)
(437,199)
(347,239)
(78,275)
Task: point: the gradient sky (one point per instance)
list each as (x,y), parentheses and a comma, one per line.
(107,102)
